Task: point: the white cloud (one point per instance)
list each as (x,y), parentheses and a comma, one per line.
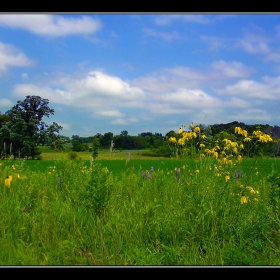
(268,89)
(170,79)
(122,121)
(51,25)
(110,113)
(167,19)
(97,92)
(170,91)
(254,47)
(11,56)
(164,35)
(232,69)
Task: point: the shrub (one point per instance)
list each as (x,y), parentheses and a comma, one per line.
(73,155)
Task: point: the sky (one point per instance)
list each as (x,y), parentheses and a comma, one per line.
(143,72)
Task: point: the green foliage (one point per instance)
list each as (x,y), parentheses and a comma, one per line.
(71,213)
(95,195)
(95,147)
(24,127)
(78,146)
(73,155)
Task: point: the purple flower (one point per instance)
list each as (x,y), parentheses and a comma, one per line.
(58,180)
(149,176)
(143,174)
(177,171)
(236,175)
(152,168)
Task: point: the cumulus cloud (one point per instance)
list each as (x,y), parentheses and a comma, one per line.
(11,56)
(101,94)
(269,89)
(169,91)
(51,25)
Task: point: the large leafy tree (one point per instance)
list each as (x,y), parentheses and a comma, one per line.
(26,126)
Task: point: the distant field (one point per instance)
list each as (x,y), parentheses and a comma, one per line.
(49,154)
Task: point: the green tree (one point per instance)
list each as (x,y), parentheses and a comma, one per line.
(26,125)
(105,141)
(95,147)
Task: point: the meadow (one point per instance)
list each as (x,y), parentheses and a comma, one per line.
(127,209)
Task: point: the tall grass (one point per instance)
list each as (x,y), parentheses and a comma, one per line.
(73,213)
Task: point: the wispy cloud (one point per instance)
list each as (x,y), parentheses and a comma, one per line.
(51,25)
(164,35)
(168,19)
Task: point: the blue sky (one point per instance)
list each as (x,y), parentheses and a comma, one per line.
(143,72)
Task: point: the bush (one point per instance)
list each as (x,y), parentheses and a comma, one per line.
(73,155)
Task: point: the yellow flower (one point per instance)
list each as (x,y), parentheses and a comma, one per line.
(172,139)
(227,178)
(197,129)
(180,130)
(8,181)
(203,136)
(239,158)
(256,199)
(247,139)
(243,199)
(197,171)
(202,145)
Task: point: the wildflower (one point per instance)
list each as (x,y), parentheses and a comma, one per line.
(236,175)
(227,178)
(197,171)
(243,199)
(239,158)
(8,181)
(177,171)
(149,176)
(202,145)
(152,168)
(172,139)
(58,180)
(255,199)
(143,174)
(197,129)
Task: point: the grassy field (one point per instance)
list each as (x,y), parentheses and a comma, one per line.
(130,209)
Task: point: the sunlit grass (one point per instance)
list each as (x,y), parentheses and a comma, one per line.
(68,214)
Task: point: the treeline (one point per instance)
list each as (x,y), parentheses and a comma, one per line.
(158,145)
